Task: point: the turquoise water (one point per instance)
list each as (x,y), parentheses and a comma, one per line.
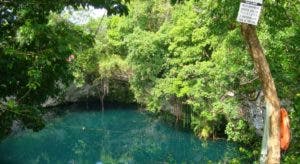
(112,136)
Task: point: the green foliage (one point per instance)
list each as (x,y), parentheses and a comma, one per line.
(146,58)
(117,71)
(188,56)
(118,28)
(194,54)
(113,67)
(29,115)
(103,65)
(34,45)
(39,59)
(239,131)
(190,65)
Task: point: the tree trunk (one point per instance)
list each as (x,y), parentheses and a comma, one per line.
(271,128)
(101,95)
(102,102)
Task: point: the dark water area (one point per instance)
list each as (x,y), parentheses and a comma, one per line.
(117,135)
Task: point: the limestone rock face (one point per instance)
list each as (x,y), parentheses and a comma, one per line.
(72,94)
(174,107)
(16,127)
(254,110)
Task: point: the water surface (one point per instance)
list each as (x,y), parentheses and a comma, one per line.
(112,136)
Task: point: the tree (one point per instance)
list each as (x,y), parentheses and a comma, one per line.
(34,45)
(272,138)
(193,56)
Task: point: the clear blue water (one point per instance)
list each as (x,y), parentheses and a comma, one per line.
(112,136)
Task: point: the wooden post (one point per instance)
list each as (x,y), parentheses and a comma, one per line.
(272,128)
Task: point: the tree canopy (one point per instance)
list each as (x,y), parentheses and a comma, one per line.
(187,58)
(34,46)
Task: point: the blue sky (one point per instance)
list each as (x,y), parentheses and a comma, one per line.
(83,16)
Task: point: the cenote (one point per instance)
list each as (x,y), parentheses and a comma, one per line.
(117,135)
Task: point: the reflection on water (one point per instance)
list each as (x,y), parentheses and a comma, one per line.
(114,136)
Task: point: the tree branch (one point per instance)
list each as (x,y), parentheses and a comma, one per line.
(249,82)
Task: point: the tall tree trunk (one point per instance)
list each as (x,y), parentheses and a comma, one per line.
(272,128)
(102,102)
(101,95)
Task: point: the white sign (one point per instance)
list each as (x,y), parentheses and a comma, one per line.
(255,1)
(249,13)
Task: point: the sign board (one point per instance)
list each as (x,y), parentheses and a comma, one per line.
(249,13)
(255,1)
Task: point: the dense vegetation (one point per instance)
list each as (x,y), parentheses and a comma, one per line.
(34,45)
(188,59)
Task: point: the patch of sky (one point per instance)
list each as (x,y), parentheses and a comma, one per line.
(83,15)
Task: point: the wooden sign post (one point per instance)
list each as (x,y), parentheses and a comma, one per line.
(249,12)
(248,15)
